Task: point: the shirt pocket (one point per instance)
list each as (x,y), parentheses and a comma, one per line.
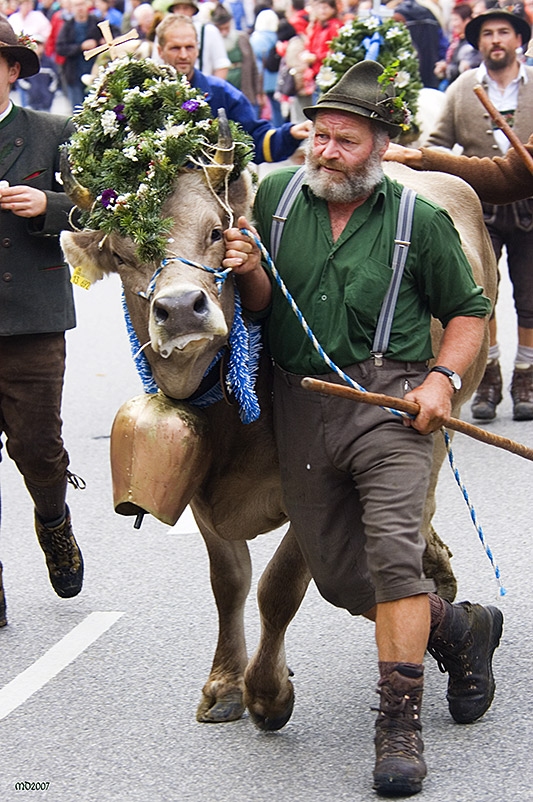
(365,290)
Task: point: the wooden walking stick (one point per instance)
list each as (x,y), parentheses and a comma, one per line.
(380,400)
(505,127)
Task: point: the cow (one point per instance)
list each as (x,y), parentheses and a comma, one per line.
(186,322)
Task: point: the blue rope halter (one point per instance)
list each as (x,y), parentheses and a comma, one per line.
(244,343)
(352,383)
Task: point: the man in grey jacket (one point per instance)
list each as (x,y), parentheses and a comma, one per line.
(36,307)
(509,84)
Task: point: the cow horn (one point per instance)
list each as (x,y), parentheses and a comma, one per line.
(224,151)
(77,193)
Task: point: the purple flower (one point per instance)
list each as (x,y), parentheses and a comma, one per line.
(190,105)
(118,112)
(108,197)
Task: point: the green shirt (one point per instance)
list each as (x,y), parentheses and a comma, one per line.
(339,286)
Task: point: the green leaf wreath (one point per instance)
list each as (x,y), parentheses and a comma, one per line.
(396,53)
(138,126)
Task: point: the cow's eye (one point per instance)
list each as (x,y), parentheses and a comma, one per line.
(216,235)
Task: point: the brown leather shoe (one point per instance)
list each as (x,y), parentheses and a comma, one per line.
(488,394)
(522,394)
(400,766)
(63,557)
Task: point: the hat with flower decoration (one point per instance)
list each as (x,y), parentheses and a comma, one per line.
(19,48)
(360,92)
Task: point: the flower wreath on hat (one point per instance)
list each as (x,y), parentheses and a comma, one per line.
(139,125)
(389,43)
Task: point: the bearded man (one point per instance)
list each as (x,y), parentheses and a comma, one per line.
(354,478)
(509,84)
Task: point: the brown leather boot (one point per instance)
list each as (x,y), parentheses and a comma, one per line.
(400,766)
(488,394)
(522,393)
(63,557)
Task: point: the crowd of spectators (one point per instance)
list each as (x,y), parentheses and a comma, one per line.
(272,49)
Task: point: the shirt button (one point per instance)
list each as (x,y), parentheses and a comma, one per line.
(495,147)
(19,141)
(324,297)
(7,276)
(6,242)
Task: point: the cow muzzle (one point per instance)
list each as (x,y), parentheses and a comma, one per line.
(179,321)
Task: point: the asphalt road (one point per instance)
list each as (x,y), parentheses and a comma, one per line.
(116,673)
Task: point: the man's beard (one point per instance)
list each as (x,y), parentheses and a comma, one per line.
(356,182)
(501,63)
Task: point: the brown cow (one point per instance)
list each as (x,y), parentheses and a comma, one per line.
(240,497)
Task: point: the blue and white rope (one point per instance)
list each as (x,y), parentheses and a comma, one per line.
(272,268)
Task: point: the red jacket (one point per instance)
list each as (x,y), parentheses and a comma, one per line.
(319,36)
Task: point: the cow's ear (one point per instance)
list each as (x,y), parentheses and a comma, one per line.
(82,250)
(241,195)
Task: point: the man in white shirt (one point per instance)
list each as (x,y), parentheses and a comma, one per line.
(498,34)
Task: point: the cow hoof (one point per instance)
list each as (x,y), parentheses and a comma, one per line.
(272,723)
(218,711)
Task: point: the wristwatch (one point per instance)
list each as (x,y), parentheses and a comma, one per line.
(454,378)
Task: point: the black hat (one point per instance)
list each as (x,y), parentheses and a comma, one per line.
(359,92)
(10,43)
(520,25)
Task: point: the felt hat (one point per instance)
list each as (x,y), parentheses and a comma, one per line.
(359,92)
(164,6)
(11,44)
(473,29)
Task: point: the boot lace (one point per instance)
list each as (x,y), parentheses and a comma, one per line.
(398,724)
(452,657)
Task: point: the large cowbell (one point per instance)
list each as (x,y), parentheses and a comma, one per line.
(159,455)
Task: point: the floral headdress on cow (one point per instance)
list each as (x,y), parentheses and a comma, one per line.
(140,124)
(389,43)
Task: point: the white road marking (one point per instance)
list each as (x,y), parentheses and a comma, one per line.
(54,660)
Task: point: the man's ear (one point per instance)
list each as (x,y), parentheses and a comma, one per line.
(13,72)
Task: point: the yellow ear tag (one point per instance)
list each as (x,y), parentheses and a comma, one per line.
(79,279)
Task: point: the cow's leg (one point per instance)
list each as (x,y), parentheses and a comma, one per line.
(269,694)
(437,555)
(230,569)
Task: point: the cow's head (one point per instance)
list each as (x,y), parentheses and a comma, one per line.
(179,312)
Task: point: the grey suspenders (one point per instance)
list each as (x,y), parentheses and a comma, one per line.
(399,258)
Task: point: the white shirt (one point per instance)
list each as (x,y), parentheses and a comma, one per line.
(4,114)
(32,24)
(214,55)
(502,99)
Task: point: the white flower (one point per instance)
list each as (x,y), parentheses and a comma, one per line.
(326,77)
(204,124)
(403,55)
(372,22)
(338,57)
(143,189)
(392,32)
(131,153)
(108,121)
(402,79)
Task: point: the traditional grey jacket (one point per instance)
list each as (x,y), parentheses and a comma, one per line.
(465,121)
(35,289)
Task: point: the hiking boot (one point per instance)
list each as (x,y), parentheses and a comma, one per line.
(522,393)
(488,394)
(63,557)
(463,645)
(400,767)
